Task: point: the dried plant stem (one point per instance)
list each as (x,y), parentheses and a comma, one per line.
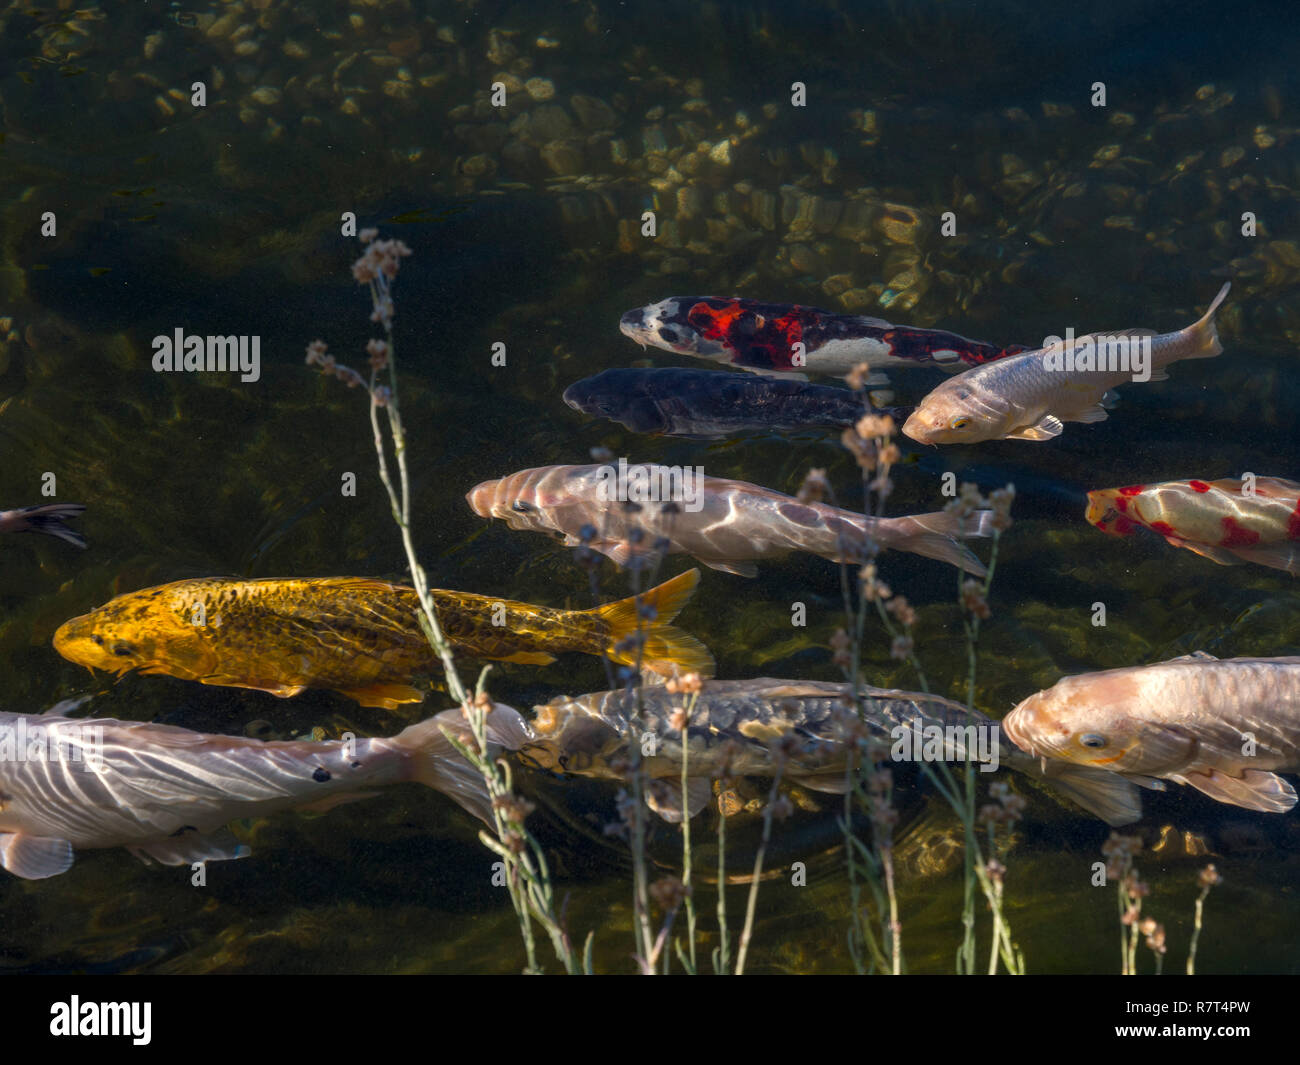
(750,908)
(527,874)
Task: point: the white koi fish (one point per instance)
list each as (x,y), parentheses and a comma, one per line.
(166,793)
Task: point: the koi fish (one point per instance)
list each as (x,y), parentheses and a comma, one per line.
(1030,396)
(765,337)
(1216,519)
(45,518)
(707,405)
(357,636)
(735,723)
(1222,727)
(725,524)
(166,793)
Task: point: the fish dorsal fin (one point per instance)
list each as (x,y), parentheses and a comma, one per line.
(1195,656)
(191,846)
(1255,789)
(34,857)
(664,797)
(1044,429)
(1134,332)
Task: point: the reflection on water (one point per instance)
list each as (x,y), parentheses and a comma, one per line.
(526,226)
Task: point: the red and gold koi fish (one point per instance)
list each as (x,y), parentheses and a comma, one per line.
(1229,521)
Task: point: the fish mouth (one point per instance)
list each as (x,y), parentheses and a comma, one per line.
(633,325)
(479,498)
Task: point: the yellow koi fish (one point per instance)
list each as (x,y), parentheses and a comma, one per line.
(357,636)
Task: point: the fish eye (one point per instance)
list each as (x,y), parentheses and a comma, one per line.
(520,506)
(97,638)
(959,423)
(1093,739)
(123,649)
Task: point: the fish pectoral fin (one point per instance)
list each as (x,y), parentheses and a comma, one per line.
(190,847)
(740,569)
(271,687)
(1090,414)
(1283,556)
(1221,555)
(1113,798)
(529,658)
(664,797)
(1044,429)
(1150,783)
(34,857)
(389,696)
(1255,789)
(828,782)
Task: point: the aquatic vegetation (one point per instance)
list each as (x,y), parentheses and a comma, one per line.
(527,874)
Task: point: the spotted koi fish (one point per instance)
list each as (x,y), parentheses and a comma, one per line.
(733,727)
(765,337)
(1220,520)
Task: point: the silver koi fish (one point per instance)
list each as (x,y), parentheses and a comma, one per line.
(1030,396)
(725,524)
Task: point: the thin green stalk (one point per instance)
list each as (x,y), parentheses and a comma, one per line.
(747,933)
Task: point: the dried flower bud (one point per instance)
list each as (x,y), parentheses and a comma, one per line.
(815,487)
(668,893)
(856,378)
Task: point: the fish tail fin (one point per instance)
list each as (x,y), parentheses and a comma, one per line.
(436,763)
(665,647)
(1203,336)
(48,518)
(1101,792)
(936,536)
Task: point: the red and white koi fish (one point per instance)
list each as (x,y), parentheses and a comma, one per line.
(44,518)
(726,524)
(1229,521)
(166,793)
(788,338)
(1030,396)
(1221,727)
